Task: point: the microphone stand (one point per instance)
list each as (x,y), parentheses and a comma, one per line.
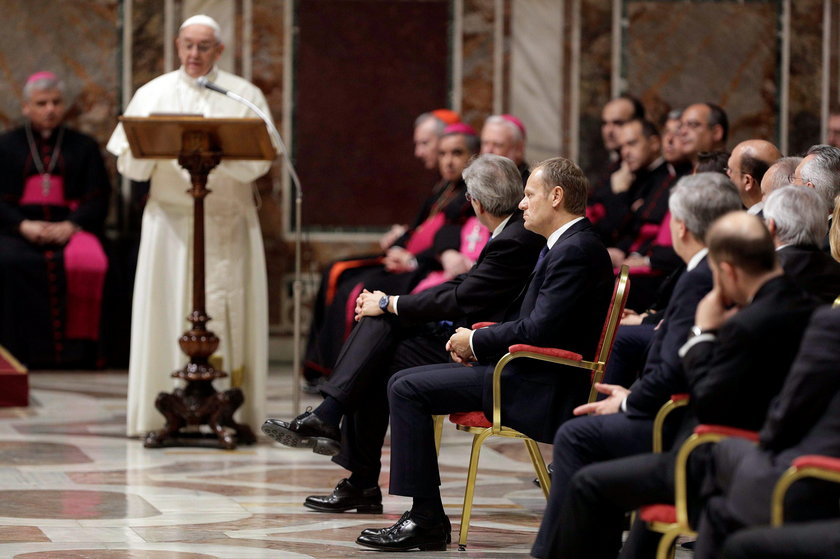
(297,288)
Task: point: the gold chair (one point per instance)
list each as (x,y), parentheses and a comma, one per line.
(808,466)
(477,424)
(671,520)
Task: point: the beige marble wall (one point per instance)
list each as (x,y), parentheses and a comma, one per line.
(76,40)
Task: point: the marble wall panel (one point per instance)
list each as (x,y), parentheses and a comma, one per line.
(478,86)
(676,54)
(76,40)
(806,74)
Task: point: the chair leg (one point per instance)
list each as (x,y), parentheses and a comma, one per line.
(539,465)
(438,419)
(666,548)
(469,492)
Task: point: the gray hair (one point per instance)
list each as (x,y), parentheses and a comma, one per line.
(799,215)
(495,182)
(698,200)
(823,171)
(439,124)
(514,129)
(43,84)
(785,168)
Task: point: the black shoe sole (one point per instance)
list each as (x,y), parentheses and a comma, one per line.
(319,445)
(360,509)
(428,546)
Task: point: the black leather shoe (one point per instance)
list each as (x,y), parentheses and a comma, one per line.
(345,497)
(306,430)
(407,534)
(379,531)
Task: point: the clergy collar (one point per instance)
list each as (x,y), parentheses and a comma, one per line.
(212,76)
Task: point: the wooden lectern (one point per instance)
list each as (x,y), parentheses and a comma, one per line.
(199,144)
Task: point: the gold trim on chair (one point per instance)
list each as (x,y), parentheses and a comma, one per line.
(808,466)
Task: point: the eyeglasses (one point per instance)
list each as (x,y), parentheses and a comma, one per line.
(468,196)
(201,47)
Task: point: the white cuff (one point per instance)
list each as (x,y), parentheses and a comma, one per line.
(472,349)
(394,299)
(693,341)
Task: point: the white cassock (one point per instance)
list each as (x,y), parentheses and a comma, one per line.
(236,292)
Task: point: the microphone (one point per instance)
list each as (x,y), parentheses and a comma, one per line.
(204,82)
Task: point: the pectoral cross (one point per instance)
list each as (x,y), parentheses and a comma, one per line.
(473,238)
(45,184)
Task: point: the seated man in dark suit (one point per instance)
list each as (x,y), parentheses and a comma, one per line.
(696,201)
(803,419)
(732,374)
(394,332)
(796,219)
(564,306)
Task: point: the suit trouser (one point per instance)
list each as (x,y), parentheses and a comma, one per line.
(598,497)
(376,349)
(414,396)
(810,540)
(579,442)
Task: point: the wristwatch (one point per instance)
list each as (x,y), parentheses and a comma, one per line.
(383,303)
(696,331)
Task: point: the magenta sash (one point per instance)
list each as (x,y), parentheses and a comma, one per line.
(423,237)
(85,265)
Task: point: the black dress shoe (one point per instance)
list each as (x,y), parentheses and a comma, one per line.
(306,430)
(379,531)
(407,534)
(345,497)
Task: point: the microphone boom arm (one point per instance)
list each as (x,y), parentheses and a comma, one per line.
(298,281)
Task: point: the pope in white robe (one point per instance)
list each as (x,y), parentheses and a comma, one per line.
(235,279)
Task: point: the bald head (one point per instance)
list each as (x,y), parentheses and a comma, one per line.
(742,241)
(746,167)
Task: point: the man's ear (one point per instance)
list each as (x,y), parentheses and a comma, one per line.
(557,195)
(717,132)
(771,226)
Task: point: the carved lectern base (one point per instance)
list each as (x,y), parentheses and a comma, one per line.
(200,404)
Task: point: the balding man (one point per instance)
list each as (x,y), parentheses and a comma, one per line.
(746,167)
(795,218)
(236,275)
(505,135)
(779,174)
(703,127)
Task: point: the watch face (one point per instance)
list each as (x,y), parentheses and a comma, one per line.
(383,303)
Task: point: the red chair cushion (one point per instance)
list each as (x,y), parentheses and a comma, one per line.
(817,461)
(728,431)
(550,351)
(658,513)
(470,419)
(679,397)
(478,325)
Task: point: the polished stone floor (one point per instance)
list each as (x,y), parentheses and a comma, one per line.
(72,486)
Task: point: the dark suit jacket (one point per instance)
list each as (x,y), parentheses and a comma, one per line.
(734,378)
(662,375)
(814,270)
(813,380)
(564,306)
(501,271)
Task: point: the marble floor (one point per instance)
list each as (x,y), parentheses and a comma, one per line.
(73,486)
